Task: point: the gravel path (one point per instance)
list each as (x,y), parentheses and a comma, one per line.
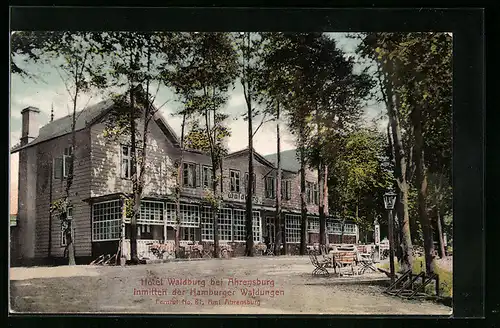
(283,285)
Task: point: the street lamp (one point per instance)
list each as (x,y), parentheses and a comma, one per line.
(389,202)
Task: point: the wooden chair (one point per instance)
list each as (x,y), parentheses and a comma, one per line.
(319,266)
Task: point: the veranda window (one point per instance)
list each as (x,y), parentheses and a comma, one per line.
(225,224)
(312,224)
(333,227)
(106,220)
(349,228)
(256,226)
(151,212)
(292,228)
(190,215)
(239,225)
(207,224)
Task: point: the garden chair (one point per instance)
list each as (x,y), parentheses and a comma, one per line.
(319,266)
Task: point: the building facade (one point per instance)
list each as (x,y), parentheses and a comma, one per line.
(102,177)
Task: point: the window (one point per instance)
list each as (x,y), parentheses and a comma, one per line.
(170,214)
(333,227)
(64,226)
(312,224)
(151,212)
(207,176)
(349,228)
(315,194)
(254,182)
(270,187)
(189,175)
(188,233)
(309,192)
(286,189)
(292,228)
(225,224)
(235,180)
(207,224)
(128,167)
(68,152)
(239,225)
(256,226)
(106,220)
(190,215)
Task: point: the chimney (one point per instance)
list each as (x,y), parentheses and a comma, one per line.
(30,127)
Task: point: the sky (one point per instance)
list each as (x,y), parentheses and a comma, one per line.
(50,92)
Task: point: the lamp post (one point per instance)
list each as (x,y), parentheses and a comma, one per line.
(389,201)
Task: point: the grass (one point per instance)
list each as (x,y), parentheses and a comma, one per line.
(445,277)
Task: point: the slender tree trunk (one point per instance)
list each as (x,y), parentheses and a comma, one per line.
(303,204)
(249,198)
(325,200)
(277,220)
(215,209)
(216,163)
(321,206)
(69,182)
(178,190)
(249,195)
(135,186)
(442,252)
(400,174)
(421,175)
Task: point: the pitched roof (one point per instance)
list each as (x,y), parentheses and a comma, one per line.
(289,160)
(85,118)
(257,156)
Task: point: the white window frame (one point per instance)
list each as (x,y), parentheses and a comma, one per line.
(286,189)
(206,224)
(69,217)
(190,215)
(234,181)
(313,224)
(126,173)
(206,172)
(225,219)
(191,232)
(191,170)
(151,212)
(256,226)
(349,229)
(239,225)
(292,228)
(270,182)
(113,217)
(68,152)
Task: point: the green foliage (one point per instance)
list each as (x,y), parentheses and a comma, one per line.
(59,207)
(358,176)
